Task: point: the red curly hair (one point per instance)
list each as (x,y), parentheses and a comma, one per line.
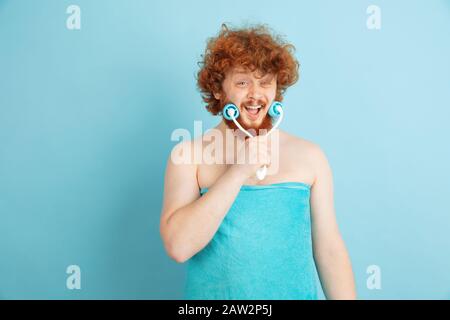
(253,48)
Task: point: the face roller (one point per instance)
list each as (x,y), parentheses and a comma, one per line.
(231,112)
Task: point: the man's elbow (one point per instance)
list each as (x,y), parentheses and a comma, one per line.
(175,252)
(178,256)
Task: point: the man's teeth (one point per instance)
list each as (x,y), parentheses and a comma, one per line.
(254,110)
(253,107)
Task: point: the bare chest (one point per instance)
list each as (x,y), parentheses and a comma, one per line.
(291,165)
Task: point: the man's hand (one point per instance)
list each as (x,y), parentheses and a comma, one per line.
(253,154)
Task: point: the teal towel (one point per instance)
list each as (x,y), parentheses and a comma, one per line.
(262,249)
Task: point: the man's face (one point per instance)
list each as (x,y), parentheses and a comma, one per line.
(253,94)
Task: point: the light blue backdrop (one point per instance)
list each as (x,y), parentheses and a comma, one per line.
(86,117)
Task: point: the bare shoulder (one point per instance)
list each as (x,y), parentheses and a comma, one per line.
(184,152)
(307,152)
(301,146)
(180,182)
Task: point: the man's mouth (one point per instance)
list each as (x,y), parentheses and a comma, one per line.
(253,111)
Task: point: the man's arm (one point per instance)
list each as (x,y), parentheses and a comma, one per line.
(331,257)
(188,221)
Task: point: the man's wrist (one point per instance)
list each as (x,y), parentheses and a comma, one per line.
(236,175)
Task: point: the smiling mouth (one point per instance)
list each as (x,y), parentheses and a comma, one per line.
(253,111)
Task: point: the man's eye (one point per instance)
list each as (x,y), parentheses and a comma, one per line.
(241,83)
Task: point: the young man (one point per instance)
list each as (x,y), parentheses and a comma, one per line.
(246,238)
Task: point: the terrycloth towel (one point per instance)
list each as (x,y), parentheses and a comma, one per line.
(262,249)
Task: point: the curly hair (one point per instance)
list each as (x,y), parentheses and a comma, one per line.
(253,48)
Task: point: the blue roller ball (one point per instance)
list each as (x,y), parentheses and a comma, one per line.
(274,109)
(230,108)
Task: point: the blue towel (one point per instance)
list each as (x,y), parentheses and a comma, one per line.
(262,249)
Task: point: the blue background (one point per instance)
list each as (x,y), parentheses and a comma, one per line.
(86,117)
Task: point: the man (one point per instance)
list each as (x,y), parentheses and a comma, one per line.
(246,238)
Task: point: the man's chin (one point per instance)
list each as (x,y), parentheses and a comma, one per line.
(254,129)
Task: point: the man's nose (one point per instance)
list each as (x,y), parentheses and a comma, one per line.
(254,92)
